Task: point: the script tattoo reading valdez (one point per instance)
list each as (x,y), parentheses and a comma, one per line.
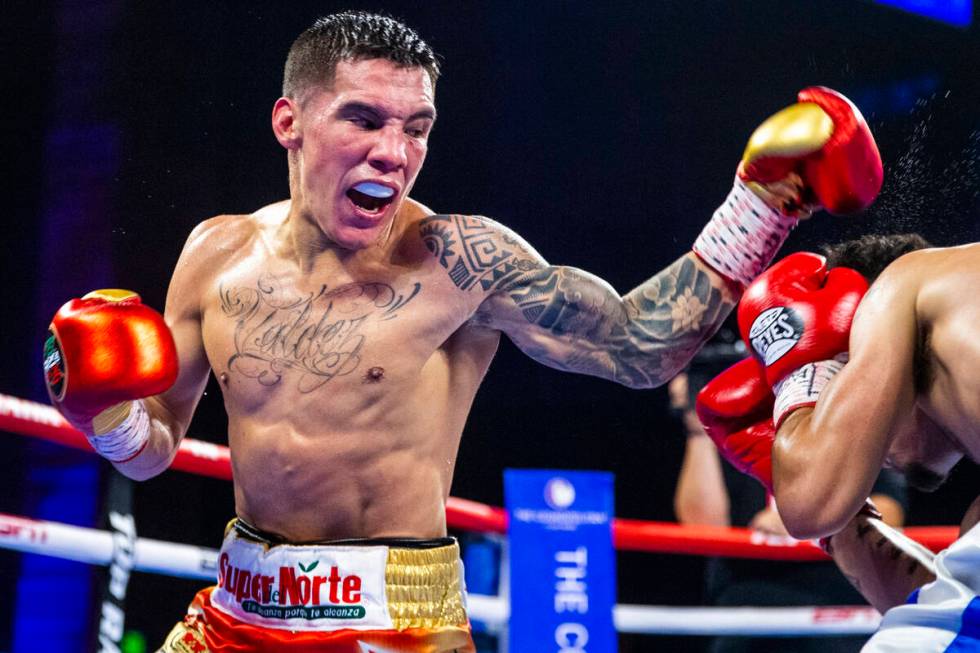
(640,340)
(318,334)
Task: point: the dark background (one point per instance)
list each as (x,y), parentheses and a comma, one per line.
(604,133)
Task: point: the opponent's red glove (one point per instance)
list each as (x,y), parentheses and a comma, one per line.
(105,349)
(735,409)
(796,318)
(824,139)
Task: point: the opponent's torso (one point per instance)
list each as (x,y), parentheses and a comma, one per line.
(346,385)
(948,309)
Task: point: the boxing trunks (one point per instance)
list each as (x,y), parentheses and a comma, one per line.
(942,616)
(388,595)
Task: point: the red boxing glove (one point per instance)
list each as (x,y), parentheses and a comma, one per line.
(825,139)
(105,349)
(735,409)
(796,314)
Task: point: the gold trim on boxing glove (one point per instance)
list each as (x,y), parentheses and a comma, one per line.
(112,294)
(796,130)
(111,418)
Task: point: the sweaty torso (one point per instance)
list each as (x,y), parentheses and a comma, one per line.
(948,357)
(346,384)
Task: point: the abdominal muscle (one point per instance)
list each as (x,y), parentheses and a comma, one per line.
(335,485)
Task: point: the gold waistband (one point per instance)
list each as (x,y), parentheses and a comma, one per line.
(424,588)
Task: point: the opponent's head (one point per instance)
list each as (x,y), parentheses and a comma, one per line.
(871,254)
(355,116)
(923,452)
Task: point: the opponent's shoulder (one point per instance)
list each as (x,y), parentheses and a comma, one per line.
(936,271)
(931,263)
(477,251)
(904,278)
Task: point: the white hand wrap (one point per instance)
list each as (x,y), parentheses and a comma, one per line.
(127,440)
(803,387)
(743,235)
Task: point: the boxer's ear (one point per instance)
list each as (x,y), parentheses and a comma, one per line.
(285,123)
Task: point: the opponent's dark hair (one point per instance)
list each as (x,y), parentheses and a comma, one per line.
(352,35)
(871,254)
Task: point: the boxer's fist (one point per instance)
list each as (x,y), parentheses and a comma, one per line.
(798,312)
(825,140)
(735,409)
(104,349)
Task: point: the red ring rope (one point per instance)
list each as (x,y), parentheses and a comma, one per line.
(207,459)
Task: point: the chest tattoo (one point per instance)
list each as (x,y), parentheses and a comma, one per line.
(315,336)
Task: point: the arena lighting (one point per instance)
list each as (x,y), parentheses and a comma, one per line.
(954,12)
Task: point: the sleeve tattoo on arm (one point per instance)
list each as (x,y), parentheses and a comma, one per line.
(570,319)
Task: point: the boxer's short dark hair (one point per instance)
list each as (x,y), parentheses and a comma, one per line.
(352,35)
(871,254)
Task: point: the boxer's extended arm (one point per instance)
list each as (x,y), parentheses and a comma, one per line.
(826,459)
(817,150)
(171,412)
(572,320)
(882,564)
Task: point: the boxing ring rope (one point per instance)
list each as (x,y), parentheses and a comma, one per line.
(95,546)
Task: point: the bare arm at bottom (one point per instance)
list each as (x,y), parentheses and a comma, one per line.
(880,562)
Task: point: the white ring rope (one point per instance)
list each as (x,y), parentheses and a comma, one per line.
(94,546)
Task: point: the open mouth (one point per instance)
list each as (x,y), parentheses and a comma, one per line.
(371,197)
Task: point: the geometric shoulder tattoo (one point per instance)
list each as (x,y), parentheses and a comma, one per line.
(476,254)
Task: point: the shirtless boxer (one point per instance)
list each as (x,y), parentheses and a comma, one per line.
(349,329)
(909,398)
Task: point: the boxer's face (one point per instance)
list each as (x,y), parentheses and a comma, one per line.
(362,144)
(924,453)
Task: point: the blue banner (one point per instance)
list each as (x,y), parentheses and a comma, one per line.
(562,565)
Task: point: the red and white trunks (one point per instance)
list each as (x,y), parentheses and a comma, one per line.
(363,596)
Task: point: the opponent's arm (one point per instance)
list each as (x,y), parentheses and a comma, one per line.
(880,562)
(826,458)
